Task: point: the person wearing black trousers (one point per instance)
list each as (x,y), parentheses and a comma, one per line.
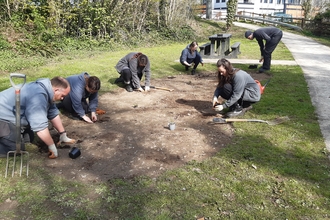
(190,57)
(237,87)
(272,36)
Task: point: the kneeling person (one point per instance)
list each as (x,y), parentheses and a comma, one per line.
(131,69)
(83,87)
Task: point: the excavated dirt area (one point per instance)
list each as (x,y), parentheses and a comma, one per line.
(133,137)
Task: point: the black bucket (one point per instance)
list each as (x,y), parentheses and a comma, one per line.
(74,153)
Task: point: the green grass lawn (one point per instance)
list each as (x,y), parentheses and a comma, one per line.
(267,172)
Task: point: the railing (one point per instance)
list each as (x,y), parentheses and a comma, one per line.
(291,22)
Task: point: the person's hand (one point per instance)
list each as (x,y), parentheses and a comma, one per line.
(218,108)
(261,59)
(146,88)
(86,119)
(93,116)
(52,154)
(140,89)
(214,101)
(64,139)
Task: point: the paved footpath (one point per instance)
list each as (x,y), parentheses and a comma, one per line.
(314,60)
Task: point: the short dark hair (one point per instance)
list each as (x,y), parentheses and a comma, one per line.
(248,33)
(94,83)
(59,82)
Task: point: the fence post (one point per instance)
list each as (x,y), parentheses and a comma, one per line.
(302,23)
(263,17)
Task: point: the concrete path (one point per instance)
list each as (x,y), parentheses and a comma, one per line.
(314,60)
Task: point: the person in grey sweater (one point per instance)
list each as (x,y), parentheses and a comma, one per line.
(131,69)
(237,87)
(272,36)
(37,101)
(191,58)
(83,97)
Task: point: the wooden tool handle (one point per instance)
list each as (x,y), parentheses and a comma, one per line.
(162,88)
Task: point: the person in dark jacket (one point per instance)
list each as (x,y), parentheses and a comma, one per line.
(131,68)
(272,37)
(83,87)
(237,87)
(191,58)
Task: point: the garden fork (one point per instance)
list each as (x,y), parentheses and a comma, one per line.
(18,138)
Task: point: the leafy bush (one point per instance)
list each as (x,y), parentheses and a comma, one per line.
(4,44)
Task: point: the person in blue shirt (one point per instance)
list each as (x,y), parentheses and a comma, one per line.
(191,58)
(37,101)
(83,97)
(237,88)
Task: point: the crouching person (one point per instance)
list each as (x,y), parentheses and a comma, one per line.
(131,69)
(237,87)
(37,108)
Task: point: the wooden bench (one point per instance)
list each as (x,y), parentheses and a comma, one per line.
(235,50)
(205,49)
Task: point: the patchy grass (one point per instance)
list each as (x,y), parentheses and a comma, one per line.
(267,172)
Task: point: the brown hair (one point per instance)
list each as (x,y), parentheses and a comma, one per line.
(59,82)
(193,44)
(94,83)
(229,70)
(142,59)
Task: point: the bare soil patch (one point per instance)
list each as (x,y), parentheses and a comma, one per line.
(133,137)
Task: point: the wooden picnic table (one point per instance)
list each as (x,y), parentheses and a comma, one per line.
(220,44)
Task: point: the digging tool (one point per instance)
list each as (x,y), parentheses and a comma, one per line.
(276,121)
(161,88)
(18,150)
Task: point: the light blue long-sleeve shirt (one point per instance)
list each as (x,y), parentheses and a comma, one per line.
(36,101)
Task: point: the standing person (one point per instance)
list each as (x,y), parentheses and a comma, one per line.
(131,68)
(272,36)
(190,57)
(37,107)
(237,87)
(83,87)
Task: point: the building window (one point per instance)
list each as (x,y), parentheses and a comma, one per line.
(246,1)
(278,2)
(217,1)
(271,1)
(223,0)
(265,1)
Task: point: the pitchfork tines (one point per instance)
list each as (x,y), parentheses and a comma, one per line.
(18,134)
(15,153)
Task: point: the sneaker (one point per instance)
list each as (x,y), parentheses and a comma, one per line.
(237,111)
(129,88)
(119,80)
(193,72)
(247,108)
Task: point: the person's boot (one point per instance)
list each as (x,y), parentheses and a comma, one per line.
(129,88)
(235,111)
(246,106)
(193,71)
(119,80)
